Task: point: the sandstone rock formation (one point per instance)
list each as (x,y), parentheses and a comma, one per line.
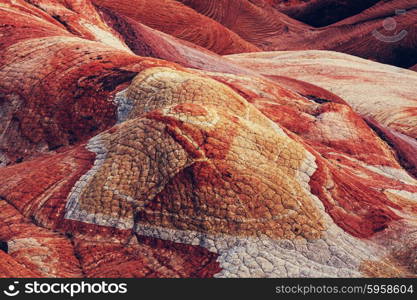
(128,152)
(383,31)
(367,86)
(254,21)
(178,20)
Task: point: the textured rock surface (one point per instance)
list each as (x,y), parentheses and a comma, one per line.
(259,24)
(128,152)
(383,31)
(180,21)
(386,32)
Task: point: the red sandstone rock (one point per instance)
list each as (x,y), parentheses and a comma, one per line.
(178,20)
(41,252)
(145,41)
(383,31)
(261,25)
(10,268)
(75,76)
(382,92)
(404,146)
(386,32)
(131,153)
(146,257)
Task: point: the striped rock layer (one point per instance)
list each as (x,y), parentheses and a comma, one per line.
(383,31)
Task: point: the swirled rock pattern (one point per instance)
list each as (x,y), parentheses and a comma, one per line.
(383,31)
(336,72)
(255,21)
(182,22)
(128,152)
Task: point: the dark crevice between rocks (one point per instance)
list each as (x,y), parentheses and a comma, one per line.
(404,147)
(55,147)
(404,57)
(58,18)
(126,28)
(316,99)
(118,76)
(326,12)
(76,253)
(4,246)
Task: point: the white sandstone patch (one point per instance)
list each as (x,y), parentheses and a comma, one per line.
(73,207)
(105,37)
